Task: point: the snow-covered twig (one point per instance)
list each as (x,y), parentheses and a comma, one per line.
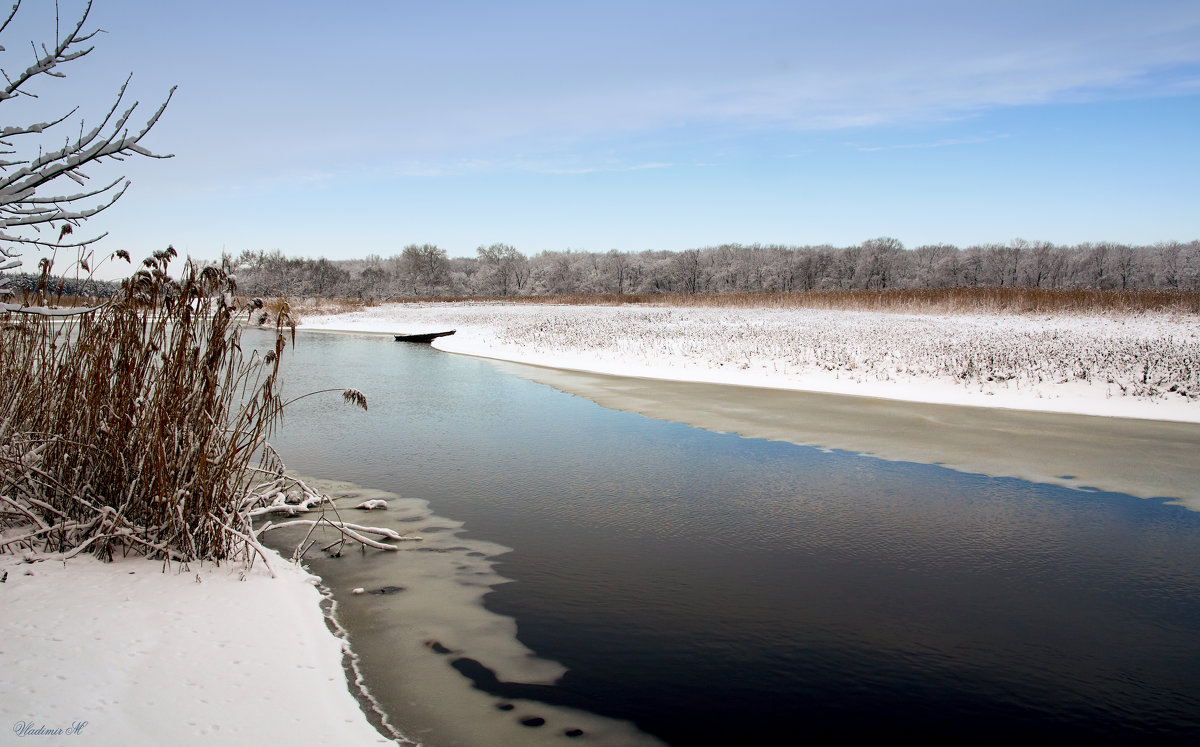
(251,542)
(353,531)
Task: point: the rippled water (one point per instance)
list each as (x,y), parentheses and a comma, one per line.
(707,587)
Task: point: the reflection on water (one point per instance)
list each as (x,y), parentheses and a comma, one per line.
(709,587)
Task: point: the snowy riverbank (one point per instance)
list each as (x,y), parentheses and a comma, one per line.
(123,653)
(1138,366)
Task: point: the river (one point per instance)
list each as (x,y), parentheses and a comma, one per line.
(588,574)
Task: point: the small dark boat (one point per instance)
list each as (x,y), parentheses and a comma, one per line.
(422,337)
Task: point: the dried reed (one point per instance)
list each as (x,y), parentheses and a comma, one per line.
(136,427)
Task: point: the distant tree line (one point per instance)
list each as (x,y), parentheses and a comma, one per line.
(23,284)
(426,271)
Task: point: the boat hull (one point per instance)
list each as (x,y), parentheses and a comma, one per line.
(422,337)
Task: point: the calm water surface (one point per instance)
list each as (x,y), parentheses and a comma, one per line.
(710,588)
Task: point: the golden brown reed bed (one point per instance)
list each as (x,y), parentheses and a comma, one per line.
(919,300)
(134,427)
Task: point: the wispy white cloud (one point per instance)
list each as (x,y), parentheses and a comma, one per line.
(432,168)
(783,65)
(281,181)
(484,78)
(944,143)
(600,169)
(564,166)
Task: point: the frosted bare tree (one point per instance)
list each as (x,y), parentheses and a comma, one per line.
(426,266)
(509,268)
(45,190)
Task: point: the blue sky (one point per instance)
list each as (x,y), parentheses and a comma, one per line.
(342,129)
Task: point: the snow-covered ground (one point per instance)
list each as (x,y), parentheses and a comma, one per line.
(123,653)
(1128,365)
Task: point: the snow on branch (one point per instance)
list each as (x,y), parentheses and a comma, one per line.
(284,494)
(30,175)
(8,259)
(49,60)
(49,311)
(352,531)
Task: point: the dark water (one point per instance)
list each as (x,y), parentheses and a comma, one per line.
(711,588)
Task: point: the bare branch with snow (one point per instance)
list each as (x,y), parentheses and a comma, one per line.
(31,197)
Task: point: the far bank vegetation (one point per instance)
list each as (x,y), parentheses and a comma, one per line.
(1019,276)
